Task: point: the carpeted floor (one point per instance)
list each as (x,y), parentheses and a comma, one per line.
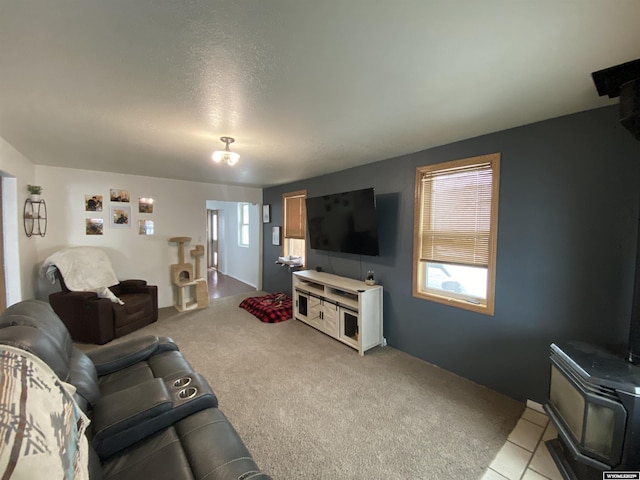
(309,407)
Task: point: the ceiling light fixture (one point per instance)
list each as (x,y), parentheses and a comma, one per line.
(226,155)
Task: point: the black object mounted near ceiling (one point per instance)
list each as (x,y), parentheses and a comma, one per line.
(623,81)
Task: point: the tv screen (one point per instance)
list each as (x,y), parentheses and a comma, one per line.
(344,222)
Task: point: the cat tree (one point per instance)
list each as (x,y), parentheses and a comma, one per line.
(192,291)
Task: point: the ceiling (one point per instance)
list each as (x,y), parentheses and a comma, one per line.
(147,87)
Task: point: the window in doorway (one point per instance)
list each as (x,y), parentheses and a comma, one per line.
(243,224)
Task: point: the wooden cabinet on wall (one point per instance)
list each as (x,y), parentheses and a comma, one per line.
(346,309)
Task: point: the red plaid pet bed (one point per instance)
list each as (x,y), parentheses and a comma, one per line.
(272,308)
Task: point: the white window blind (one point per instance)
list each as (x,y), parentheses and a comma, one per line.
(456,215)
(295,216)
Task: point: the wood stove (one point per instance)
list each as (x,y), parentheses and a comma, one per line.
(594,403)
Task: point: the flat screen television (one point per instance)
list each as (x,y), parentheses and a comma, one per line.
(344,222)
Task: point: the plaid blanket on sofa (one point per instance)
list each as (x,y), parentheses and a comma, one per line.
(272,308)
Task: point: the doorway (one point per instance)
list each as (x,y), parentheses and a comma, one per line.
(232,268)
(219,285)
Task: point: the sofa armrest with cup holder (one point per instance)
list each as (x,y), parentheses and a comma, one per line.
(125,417)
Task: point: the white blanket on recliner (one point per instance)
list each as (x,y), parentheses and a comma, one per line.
(84,269)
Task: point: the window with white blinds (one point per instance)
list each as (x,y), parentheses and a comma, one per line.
(455,232)
(295,223)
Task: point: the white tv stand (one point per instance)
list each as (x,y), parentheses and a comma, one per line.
(346,309)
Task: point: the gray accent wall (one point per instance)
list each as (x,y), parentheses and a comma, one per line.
(567,227)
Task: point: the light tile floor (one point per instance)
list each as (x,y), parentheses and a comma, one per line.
(525,456)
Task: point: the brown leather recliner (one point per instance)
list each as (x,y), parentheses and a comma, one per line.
(92,319)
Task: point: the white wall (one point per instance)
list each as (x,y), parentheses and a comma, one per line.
(241,263)
(179,210)
(20,251)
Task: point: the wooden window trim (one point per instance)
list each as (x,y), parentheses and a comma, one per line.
(295,222)
(418,266)
(300,230)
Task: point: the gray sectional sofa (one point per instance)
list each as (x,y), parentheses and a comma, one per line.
(151,416)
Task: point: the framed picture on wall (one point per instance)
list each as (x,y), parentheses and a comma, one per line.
(93,203)
(119,195)
(120,217)
(275,235)
(94,226)
(145,205)
(266,213)
(145,227)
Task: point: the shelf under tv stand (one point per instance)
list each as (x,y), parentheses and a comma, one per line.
(346,309)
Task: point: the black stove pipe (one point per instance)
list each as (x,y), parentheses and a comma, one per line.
(624,81)
(630,118)
(633,356)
